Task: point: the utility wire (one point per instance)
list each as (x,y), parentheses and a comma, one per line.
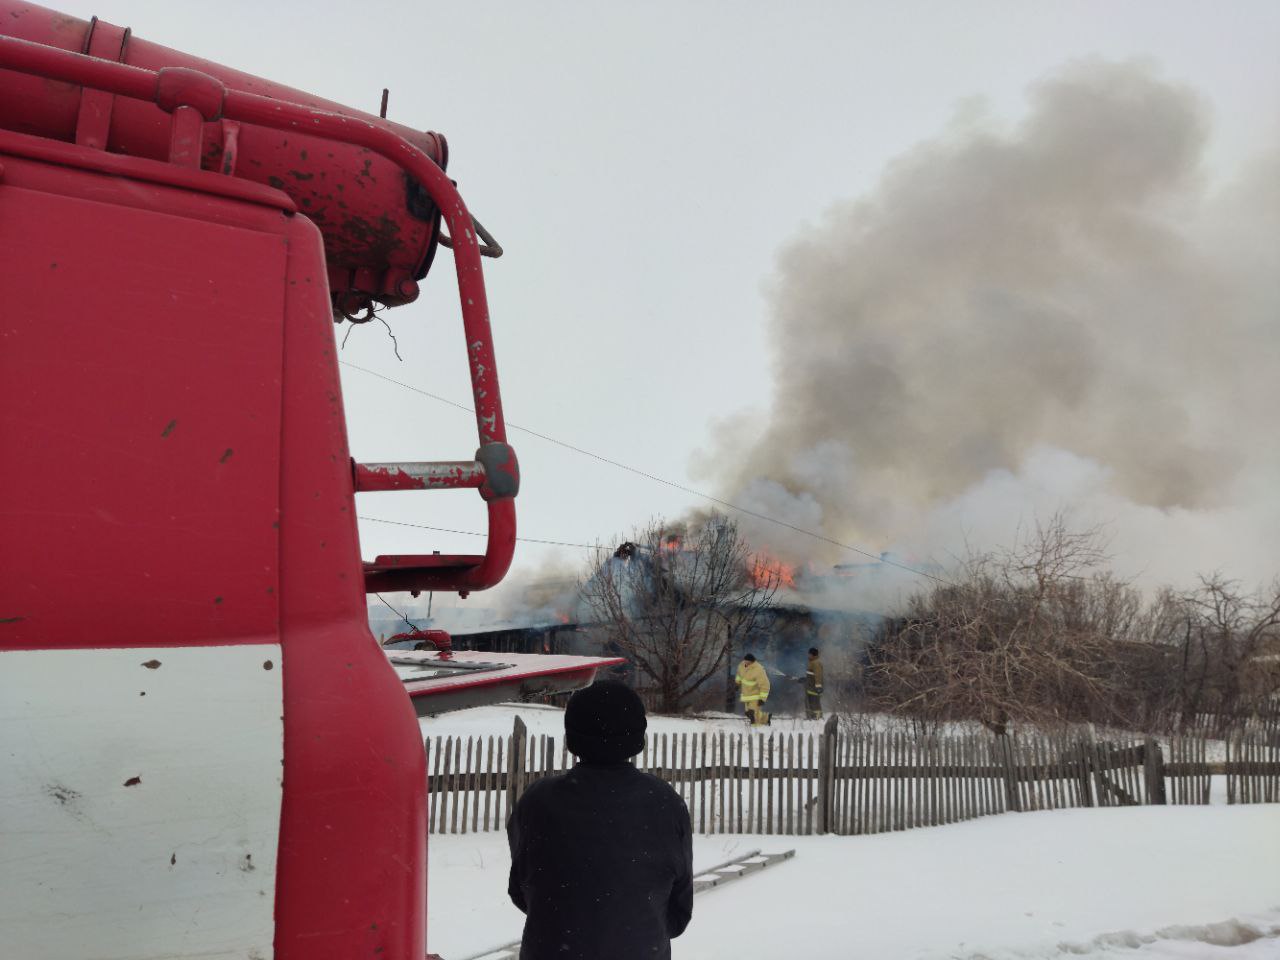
(656,479)
(476,533)
(395,611)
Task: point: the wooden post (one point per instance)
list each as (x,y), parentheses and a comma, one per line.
(1177,755)
(1136,770)
(686,793)
(981,772)
(488,786)
(975,781)
(454,762)
(760,782)
(515,763)
(895,780)
(1084,784)
(983,756)
(771,767)
(931,771)
(731,782)
(721,773)
(826,778)
(703,774)
(1012,801)
(442,796)
(968,782)
(1055,766)
(1270,753)
(864,783)
(1232,755)
(1100,758)
(840,815)
(954,772)
(1255,779)
(838,812)
(1243,794)
(737,783)
(947,781)
(466,780)
(499,819)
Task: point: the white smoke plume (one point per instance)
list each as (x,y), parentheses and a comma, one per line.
(1061,314)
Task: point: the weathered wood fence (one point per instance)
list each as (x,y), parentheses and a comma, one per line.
(851,783)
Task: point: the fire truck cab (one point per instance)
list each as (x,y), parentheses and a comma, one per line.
(203,751)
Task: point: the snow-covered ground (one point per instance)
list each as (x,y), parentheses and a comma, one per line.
(1136,882)
(1146,883)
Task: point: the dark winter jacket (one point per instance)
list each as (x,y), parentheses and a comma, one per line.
(601,864)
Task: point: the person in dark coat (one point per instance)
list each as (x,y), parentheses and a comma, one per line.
(601,855)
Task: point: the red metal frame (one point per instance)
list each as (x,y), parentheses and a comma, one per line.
(195,98)
(166,279)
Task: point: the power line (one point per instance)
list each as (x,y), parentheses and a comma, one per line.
(656,479)
(395,611)
(476,533)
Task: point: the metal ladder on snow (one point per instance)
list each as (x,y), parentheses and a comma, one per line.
(740,866)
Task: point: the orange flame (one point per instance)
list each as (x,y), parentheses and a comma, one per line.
(766,571)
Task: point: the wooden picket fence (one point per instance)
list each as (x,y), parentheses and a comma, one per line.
(852,782)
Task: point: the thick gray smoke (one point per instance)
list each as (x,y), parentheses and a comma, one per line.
(1066,313)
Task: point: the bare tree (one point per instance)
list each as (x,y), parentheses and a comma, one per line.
(1221,652)
(1033,634)
(1044,633)
(675,598)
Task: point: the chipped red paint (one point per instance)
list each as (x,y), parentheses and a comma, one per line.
(418,476)
(370,478)
(381,227)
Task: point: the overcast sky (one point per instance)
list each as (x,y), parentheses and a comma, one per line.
(642,164)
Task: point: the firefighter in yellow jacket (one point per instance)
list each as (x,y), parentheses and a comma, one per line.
(753,689)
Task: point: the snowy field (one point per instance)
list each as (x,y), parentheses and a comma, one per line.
(1137,883)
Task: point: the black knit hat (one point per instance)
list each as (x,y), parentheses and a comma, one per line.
(604,723)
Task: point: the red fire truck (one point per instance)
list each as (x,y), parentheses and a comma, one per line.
(203,751)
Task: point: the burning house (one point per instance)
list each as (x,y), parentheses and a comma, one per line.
(647,601)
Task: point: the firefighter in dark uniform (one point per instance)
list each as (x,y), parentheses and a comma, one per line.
(813,686)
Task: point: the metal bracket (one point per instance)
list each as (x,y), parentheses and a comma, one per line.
(490,247)
(93,122)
